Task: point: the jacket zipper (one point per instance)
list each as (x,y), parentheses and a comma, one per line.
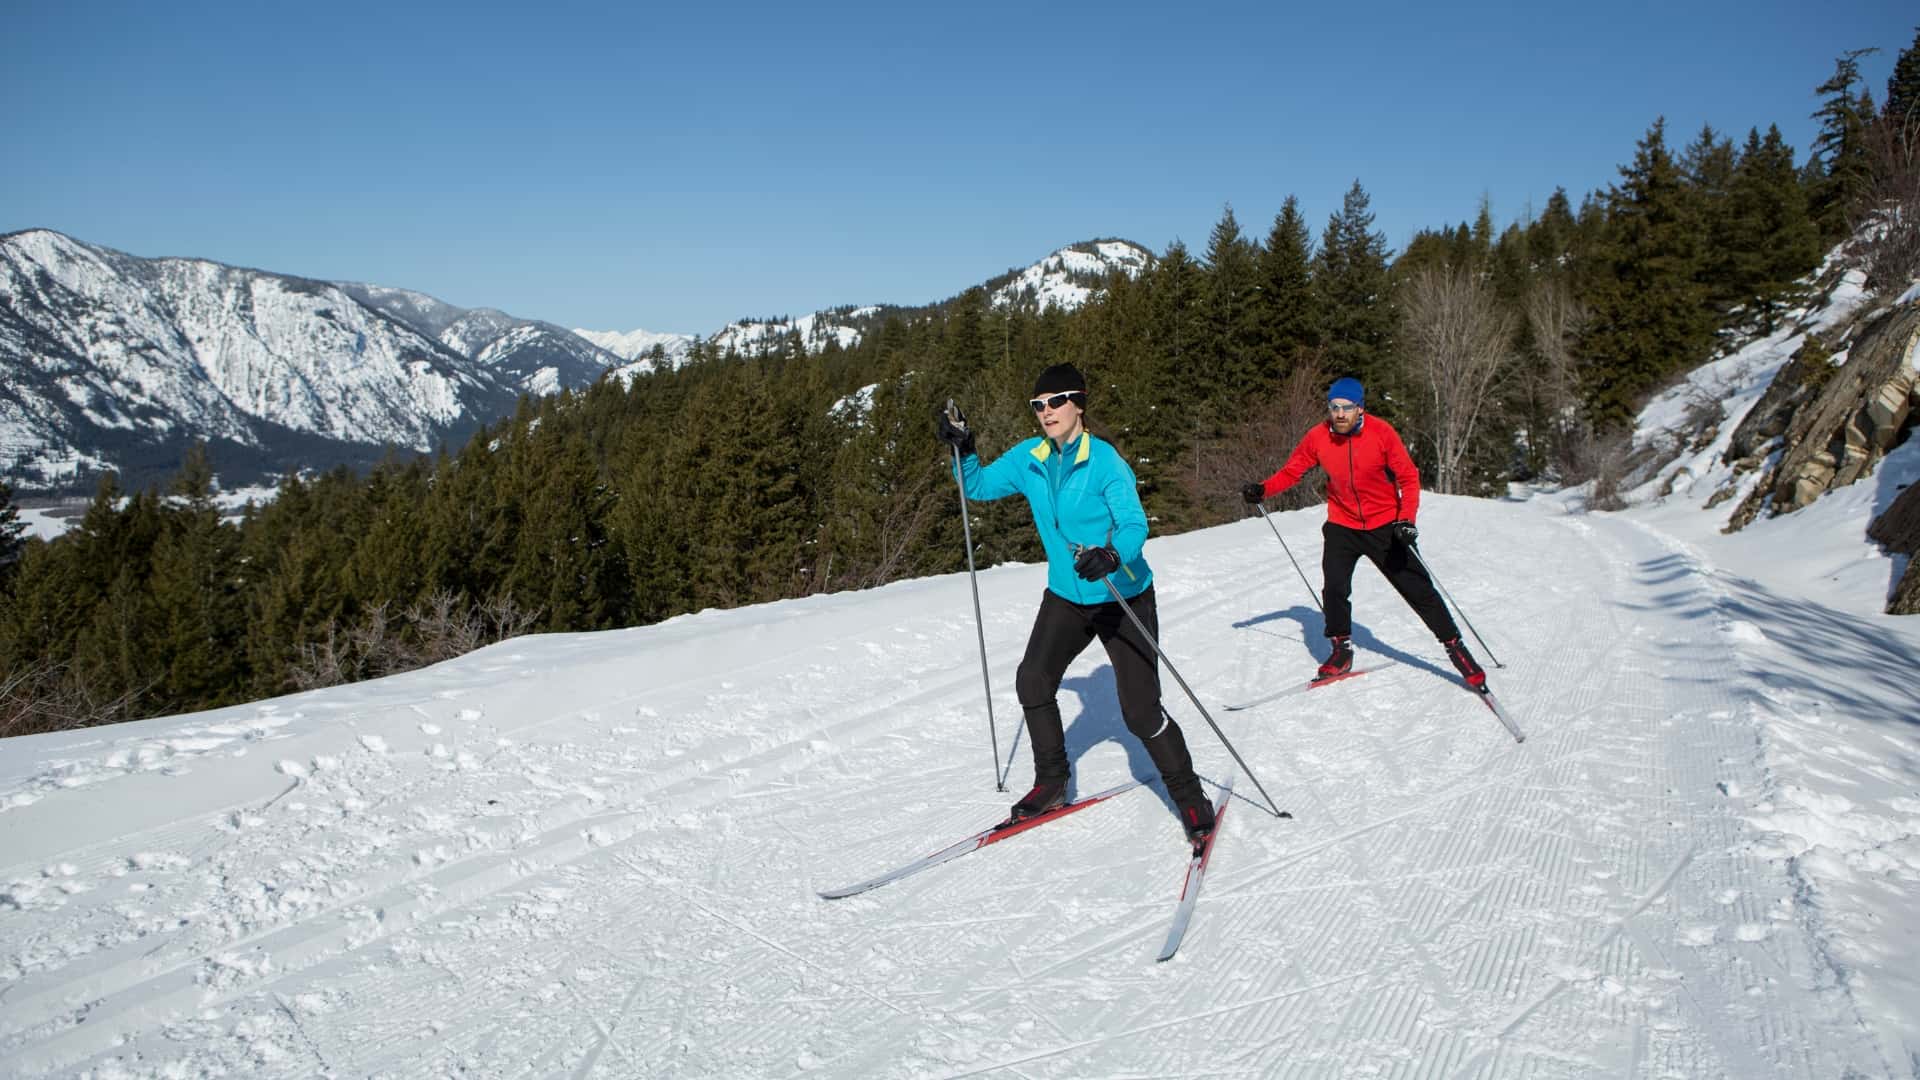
(1053,501)
(1353,481)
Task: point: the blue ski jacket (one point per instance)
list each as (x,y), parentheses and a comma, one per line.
(1083,495)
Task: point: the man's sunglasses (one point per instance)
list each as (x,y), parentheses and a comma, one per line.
(1042,404)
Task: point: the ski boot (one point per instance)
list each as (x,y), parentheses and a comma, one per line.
(1464,662)
(1340,662)
(1046,795)
(1197,820)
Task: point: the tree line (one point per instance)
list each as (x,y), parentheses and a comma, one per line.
(1500,353)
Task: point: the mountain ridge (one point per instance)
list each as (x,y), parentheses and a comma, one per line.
(118,362)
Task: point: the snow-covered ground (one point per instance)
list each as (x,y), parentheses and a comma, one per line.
(44,523)
(598,854)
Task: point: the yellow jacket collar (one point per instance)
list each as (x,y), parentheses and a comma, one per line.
(1083,450)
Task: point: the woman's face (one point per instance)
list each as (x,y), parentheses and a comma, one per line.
(1059,414)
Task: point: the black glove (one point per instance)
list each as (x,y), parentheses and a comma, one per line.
(1094,563)
(1404,532)
(950,427)
(1254,492)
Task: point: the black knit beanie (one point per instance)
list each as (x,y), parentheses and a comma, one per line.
(1060,379)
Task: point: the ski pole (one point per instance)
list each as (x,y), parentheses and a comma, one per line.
(979,624)
(1414,550)
(1262,507)
(1161,656)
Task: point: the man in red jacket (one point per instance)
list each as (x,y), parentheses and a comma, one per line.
(1373,496)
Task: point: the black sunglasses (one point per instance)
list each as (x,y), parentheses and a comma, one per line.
(1042,404)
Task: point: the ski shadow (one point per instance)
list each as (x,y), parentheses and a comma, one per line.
(1314,624)
(1100,720)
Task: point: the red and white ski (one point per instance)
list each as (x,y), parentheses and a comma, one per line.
(1493,703)
(1196,872)
(1300,688)
(979,840)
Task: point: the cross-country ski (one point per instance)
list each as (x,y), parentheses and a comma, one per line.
(1298,688)
(1197,863)
(1002,831)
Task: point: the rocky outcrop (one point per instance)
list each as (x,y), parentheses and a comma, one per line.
(1832,425)
(1769,417)
(1899,530)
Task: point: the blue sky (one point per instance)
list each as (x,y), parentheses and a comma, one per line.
(673,167)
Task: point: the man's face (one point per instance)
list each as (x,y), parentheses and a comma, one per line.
(1343,415)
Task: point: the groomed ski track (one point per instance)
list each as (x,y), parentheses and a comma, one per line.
(597,855)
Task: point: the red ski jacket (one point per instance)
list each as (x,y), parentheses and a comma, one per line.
(1370,479)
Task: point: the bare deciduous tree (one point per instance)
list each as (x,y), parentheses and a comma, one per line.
(438,628)
(49,696)
(1889,248)
(1459,339)
(1555,319)
(1256,448)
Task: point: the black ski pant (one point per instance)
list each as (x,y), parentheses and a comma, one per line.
(1061,631)
(1343,549)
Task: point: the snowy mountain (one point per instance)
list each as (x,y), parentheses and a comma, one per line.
(115,359)
(535,357)
(1065,279)
(117,362)
(745,337)
(750,337)
(1069,277)
(632,345)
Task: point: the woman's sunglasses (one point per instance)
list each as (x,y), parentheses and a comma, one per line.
(1042,404)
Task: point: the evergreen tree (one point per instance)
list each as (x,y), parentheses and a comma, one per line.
(892,493)
(1709,165)
(566,566)
(1351,290)
(1289,319)
(1430,248)
(293,594)
(966,348)
(1226,369)
(1772,241)
(111,638)
(1116,341)
(1550,237)
(1902,109)
(1650,316)
(197,612)
(1482,235)
(1171,426)
(11,527)
(1840,150)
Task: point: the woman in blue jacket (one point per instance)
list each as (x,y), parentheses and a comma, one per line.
(1088,514)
